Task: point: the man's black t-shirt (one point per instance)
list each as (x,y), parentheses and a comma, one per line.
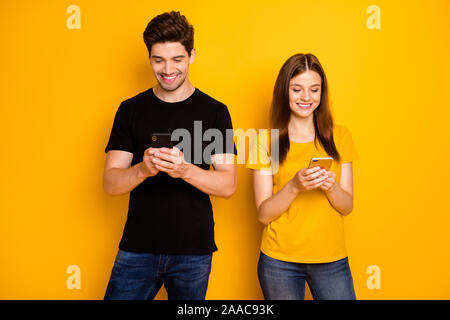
(168,215)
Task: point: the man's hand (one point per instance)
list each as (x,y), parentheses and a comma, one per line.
(171,161)
(147,167)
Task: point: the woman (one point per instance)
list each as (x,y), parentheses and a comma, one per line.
(303,208)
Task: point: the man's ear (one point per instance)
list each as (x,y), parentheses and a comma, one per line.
(192,56)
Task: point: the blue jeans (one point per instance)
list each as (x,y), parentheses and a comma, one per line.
(139,276)
(282,280)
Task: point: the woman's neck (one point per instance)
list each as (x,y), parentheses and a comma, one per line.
(301,129)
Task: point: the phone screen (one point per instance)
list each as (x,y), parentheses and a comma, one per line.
(161,140)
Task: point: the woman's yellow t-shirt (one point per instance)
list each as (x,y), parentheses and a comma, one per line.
(311,230)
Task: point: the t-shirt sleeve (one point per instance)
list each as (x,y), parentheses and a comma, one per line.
(120,138)
(347,150)
(224,124)
(259,153)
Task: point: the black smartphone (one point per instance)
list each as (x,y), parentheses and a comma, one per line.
(161,140)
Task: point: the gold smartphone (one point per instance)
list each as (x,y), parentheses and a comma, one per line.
(323,163)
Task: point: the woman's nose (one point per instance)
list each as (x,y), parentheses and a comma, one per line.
(305,96)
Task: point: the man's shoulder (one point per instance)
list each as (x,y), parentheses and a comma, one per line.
(209,101)
(137,99)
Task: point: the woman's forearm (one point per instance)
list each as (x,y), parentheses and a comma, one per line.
(274,206)
(340,199)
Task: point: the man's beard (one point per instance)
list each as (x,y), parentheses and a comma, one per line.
(169,89)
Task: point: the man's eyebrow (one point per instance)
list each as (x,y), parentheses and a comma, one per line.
(176,57)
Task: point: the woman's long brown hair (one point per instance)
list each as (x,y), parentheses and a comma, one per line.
(281,112)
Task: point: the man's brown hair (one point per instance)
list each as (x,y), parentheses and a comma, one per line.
(169,27)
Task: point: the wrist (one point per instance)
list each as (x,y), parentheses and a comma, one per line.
(332,188)
(187,172)
(293,187)
(142,173)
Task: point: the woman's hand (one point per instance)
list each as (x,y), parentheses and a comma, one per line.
(330,182)
(309,178)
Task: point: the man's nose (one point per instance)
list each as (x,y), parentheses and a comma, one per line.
(168,68)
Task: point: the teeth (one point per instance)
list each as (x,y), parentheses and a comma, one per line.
(304,105)
(169,78)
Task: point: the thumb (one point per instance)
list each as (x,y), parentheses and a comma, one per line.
(176,152)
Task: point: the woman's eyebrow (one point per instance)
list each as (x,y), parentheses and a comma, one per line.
(299,85)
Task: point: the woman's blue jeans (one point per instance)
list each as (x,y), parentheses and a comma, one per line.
(139,276)
(282,280)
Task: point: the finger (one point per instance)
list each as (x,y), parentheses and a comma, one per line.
(171,158)
(331,174)
(324,187)
(179,156)
(331,179)
(165,156)
(149,161)
(176,152)
(160,168)
(315,175)
(326,184)
(311,170)
(316,185)
(162,163)
(151,151)
(168,151)
(316,181)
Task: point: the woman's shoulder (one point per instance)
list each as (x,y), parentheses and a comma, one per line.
(344,143)
(340,131)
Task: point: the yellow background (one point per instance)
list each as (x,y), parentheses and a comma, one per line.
(60,89)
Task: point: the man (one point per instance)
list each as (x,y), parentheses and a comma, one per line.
(169,233)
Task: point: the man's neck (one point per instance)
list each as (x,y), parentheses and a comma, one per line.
(180,94)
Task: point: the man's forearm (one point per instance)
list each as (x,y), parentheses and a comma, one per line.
(118,181)
(213,182)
